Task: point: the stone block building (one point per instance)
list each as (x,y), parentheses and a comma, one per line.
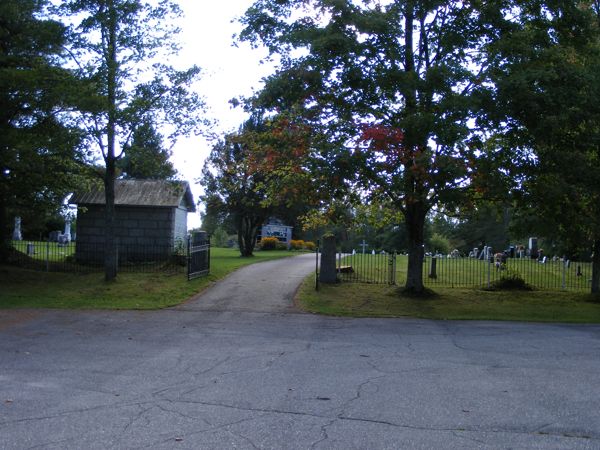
(151,219)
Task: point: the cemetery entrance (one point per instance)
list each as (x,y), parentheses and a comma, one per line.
(198,255)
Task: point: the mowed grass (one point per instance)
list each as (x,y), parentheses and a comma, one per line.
(370,300)
(32,289)
(46,251)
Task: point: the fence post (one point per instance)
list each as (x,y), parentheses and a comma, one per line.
(317,267)
(47,256)
(489,271)
(392,268)
(189,255)
(564,274)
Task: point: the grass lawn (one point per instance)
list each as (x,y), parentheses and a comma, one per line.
(30,289)
(369,300)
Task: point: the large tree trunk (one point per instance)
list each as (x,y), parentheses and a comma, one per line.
(110,251)
(110,243)
(4,230)
(415,225)
(247,231)
(596,267)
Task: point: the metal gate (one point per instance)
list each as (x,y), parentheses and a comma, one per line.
(198,255)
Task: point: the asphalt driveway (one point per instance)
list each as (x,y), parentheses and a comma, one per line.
(224,375)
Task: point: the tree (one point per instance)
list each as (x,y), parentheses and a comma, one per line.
(232,186)
(145,157)
(119,46)
(395,84)
(547,74)
(41,159)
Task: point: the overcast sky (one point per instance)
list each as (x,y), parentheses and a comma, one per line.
(228,72)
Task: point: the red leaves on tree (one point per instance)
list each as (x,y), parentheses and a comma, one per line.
(382,138)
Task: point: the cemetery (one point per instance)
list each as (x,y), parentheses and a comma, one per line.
(480,269)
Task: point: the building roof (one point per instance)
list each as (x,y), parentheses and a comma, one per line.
(141,193)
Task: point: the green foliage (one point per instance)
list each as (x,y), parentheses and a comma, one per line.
(393,86)
(510,280)
(41,159)
(234,189)
(439,244)
(219,238)
(145,157)
(547,78)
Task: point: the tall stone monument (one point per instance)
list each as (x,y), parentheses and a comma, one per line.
(17,236)
(328,271)
(67,233)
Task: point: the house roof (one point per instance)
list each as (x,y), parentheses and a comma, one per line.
(140,193)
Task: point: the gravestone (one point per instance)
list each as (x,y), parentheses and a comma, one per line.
(533,247)
(17,231)
(364,245)
(63,240)
(433,268)
(67,232)
(53,236)
(475,252)
(328,271)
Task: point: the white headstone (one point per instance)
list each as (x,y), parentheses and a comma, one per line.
(17,231)
(67,232)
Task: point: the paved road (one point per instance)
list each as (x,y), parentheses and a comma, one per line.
(188,378)
(264,287)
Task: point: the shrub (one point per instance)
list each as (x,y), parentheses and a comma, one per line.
(281,246)
(219,238)
(439,244)
(510,280)
(297,244)
(269,243)
(309,245)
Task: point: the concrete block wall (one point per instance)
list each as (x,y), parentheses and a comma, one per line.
(144,233)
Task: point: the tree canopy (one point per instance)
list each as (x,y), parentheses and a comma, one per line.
(40,156)
(396,86)
(146,157)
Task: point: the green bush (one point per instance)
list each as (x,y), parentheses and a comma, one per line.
(281,246)
(510,280)
(219,238)
(439,244)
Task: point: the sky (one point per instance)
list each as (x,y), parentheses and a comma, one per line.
(228,72)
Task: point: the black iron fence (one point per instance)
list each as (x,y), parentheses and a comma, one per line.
(78,257)
(389,268)
(378,268)
(542,274)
